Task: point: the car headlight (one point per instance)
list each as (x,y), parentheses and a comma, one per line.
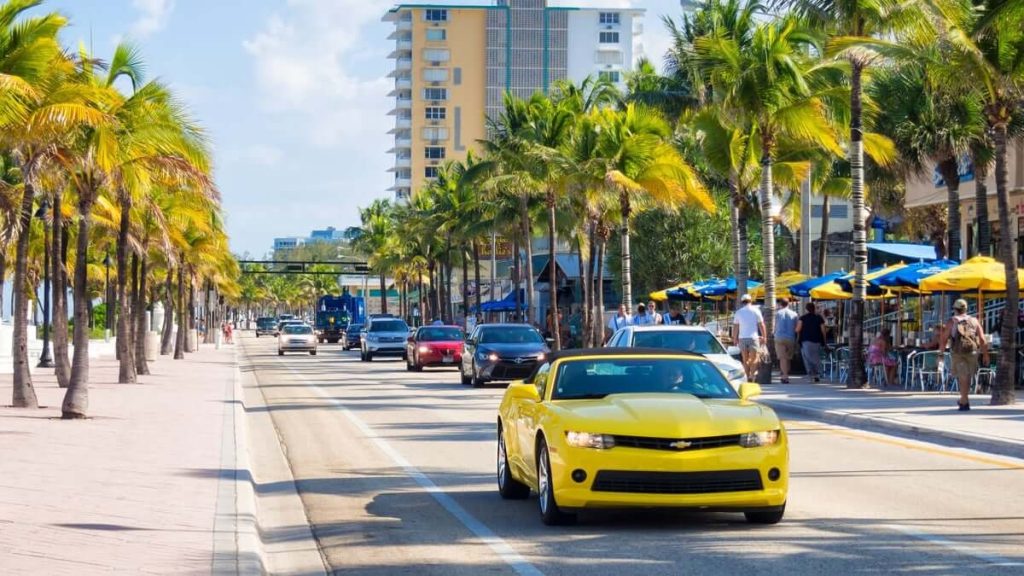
(424,349)
(493,357)
(757,439)
(588,440)
(541,356)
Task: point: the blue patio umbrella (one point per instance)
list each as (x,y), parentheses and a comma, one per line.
(689,293)
(846,282)
(911,275)
(723,287)
(803,289)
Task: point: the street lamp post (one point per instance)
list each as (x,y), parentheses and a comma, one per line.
(106,295)
(45,360)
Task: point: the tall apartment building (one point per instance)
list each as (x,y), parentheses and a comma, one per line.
(454,63)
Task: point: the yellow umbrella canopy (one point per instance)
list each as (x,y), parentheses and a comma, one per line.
(662,295)
(833,291)
(782,283)
(979,274)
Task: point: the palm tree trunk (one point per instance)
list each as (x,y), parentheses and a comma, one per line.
(981,206)
(736,236)
(3,276)
(858,377)
(948,170)
(465,285)
(552,273)
(24,395)
(476,273)
(76,399)
(823,242)
(627,258)
(179,344)
(167,332)
(517,279)
(764,372)
(599,292)
(58,272)
(191,341)
(383,295)
(1003,391)
(528,246)
(141,334)
(126,364)
(588,287)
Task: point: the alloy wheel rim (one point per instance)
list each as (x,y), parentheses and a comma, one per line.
(501,460)
(542,479)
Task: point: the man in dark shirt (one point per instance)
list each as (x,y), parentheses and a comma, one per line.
(811,336)
(674,316)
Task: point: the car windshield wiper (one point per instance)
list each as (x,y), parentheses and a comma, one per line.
(583,397)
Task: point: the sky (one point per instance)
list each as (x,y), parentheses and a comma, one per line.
(293,94)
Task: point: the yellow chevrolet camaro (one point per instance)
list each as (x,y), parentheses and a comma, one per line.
(621,428)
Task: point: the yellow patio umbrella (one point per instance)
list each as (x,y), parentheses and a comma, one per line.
(978,275)
(782,283)
(833,291)
(662,295)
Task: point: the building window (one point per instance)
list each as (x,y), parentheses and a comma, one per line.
(609,18)
(609,38)
(430,172)
(434,152)
(435,15)
(613,76)
(437,34)
(436,113)
(435,74)
(435,93)
(438,54)
(435,133)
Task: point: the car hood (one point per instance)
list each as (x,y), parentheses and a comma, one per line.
(402,334)
(665,416)
(513,349)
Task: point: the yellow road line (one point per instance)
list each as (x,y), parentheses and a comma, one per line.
(874,437)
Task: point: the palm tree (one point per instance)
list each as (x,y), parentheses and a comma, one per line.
(641,168)
(770,83)
(372,242)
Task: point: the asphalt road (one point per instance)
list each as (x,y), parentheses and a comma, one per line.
(396,473)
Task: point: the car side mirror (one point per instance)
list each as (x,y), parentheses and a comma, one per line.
(521,390)
(749,389)
(470,340)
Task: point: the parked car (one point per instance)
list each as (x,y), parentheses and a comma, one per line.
(644,428)
(434,346)
(266,326)
(383,336)
(296,337)
(682,339)
(350,339)
(496,352)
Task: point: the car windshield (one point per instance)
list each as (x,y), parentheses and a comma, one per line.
(699,341)
(264,322)
(597,378)
(297,329)
(355,327)
(439,334)
(510,335)
(389,326)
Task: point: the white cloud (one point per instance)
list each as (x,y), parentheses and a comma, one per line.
(304,64)
(152,18)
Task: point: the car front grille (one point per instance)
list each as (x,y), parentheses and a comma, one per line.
(506,371)
(677,444)
(677,482)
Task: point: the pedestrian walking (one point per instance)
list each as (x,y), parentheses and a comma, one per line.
(749,330)
(785,337)
(966,340)
(811,337)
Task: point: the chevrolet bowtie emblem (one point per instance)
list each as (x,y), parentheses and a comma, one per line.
(680,444)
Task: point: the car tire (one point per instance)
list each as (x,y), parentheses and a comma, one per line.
(280,352)
(770,517)
(257,334)
(550,513)
(408,365)
(312,352)
(474,380)
(462,376)
(369,357)
(508,487)
(362,356)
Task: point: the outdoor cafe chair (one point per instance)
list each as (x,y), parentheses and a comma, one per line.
(828,363)
(842,362)
(927,371)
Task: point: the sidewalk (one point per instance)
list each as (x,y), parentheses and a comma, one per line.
(146,485)
(929,416)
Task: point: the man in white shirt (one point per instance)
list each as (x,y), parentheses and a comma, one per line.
(748,329)
(620,320)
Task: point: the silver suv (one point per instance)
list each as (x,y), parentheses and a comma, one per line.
(383,337)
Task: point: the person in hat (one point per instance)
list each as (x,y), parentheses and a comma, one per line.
(966,340)
(748,330)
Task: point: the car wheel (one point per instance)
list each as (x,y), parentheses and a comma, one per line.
(369,357)
(462,376)
(257,334)
(550,513)
(280,352)
(508,487)
(362,355)
(408,364)
(772,517)
(474,379)
(312,352)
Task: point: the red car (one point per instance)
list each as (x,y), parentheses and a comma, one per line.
(434,346)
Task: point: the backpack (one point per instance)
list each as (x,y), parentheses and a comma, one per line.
(965,337)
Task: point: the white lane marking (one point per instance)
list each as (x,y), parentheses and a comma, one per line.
(485,534)
(958,547)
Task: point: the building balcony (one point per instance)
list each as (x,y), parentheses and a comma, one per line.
(403,162)
(404,25)
(403,103)
(402,123)
(403,64)
(609,48)
(401,183)
(403,83)
(401,143)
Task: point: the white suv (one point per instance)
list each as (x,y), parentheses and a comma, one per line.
(385,336)
(695,339)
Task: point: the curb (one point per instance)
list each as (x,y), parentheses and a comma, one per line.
(991,445)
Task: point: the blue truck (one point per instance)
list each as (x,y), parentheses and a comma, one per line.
(334,313)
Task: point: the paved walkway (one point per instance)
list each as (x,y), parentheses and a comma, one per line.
(134,489)
(929,416)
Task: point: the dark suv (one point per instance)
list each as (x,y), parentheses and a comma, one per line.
(266,326)
(501,352)
(351,338)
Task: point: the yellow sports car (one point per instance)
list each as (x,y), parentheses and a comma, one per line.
(615,428)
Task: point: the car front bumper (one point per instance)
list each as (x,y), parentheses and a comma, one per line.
(505,369)
(297,346)
(386,348)
(729,478)
(438,359)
